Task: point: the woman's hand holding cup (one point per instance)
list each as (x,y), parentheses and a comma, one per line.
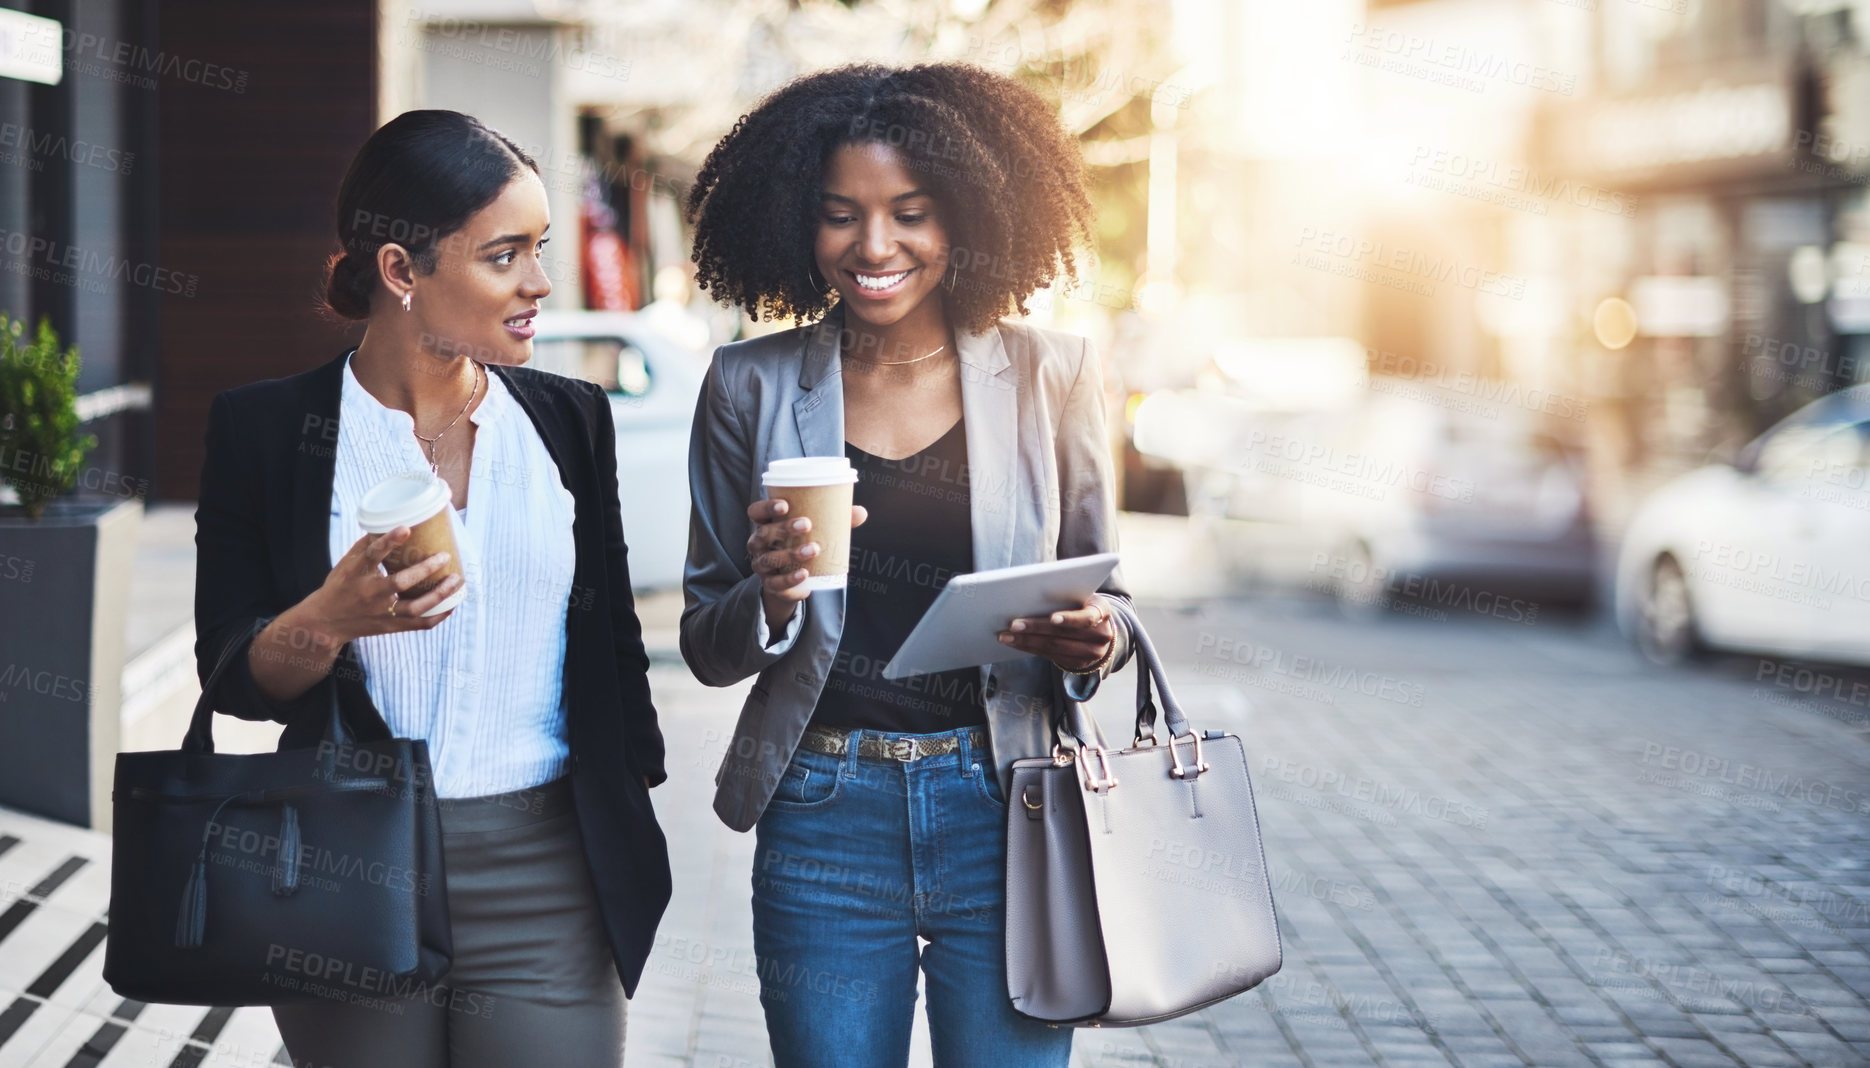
(779,563)
(358,600)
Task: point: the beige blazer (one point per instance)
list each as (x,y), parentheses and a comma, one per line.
(1040,489)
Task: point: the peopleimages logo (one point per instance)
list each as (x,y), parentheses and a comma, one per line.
(1384,795)
(1308,668)
(28,249)
(297,969)
(43,683)
(1451,62)
(232,843)
(122,61)
(1477,176)
(57,146)
(1408,262)
(1694,767)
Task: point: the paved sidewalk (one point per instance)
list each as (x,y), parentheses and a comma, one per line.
(54,1006)
(1491,845)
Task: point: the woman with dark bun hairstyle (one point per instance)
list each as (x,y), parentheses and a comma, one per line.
(906,211)
(526,674)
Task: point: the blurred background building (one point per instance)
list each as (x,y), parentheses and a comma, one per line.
(1648,217)
(1380,287)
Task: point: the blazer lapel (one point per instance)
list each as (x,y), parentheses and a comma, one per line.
(556,433)
(990,404)
(314,467)
(819,412)
(562,444)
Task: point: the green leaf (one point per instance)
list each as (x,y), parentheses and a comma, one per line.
(42,449)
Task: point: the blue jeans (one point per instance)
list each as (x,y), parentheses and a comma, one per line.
(855,859)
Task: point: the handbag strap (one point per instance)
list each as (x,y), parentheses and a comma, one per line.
(1150,671)
(200,736)
(1075,721)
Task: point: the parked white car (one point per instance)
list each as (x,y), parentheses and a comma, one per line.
(1766,554)
(653,384)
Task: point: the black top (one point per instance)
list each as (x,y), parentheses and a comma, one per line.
(919,535)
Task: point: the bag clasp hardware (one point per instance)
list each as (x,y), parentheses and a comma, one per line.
(1178,770)
(1091,781)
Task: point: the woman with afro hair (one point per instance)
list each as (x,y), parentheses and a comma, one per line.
(904,212)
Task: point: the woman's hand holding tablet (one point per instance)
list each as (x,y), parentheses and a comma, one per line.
(989,616)
(1074,638)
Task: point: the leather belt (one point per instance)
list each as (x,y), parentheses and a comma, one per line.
(905,750)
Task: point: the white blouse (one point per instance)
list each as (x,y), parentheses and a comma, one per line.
(486,688)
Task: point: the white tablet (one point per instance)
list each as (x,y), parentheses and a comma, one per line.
(961,628)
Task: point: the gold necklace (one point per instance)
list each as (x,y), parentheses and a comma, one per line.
(894,363)
(430,442)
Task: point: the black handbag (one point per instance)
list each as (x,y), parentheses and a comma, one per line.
(1136,884)
(301,875)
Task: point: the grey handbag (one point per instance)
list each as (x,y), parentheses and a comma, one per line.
(1136,888)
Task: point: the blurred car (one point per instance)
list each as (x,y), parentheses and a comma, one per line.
(1764,554)
(1425,495)
(653,383)
(1253,389)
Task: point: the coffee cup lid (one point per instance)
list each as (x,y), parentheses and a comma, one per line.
(809,471)
(401,501)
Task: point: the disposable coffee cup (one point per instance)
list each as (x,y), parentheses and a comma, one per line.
(420,501)
(819,488)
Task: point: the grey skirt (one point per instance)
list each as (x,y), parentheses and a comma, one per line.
(533,980)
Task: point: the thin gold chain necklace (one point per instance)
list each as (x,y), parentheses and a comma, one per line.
(895,363)
(430,442)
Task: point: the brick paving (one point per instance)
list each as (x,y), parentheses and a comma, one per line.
(1491,845)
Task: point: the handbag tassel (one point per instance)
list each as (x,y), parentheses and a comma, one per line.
(286,870)
(192,919)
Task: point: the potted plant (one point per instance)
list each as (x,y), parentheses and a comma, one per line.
(41,446)
(65,564)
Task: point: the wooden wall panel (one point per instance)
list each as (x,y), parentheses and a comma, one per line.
(248,180)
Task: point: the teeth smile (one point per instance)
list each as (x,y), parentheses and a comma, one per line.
(879,281)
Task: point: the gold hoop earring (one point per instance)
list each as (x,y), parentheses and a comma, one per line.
(954,275)
(817,280)
(407,295)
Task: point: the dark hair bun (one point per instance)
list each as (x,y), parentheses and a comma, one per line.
(347,287)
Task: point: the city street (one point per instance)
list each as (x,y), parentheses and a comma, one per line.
(1491,843)
(1450,377)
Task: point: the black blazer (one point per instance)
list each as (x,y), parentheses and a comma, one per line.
(262,543)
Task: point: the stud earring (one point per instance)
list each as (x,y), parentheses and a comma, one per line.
(407,294)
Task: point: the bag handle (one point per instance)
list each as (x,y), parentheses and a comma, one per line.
(1150,670)
(1079,723)
(200,736)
